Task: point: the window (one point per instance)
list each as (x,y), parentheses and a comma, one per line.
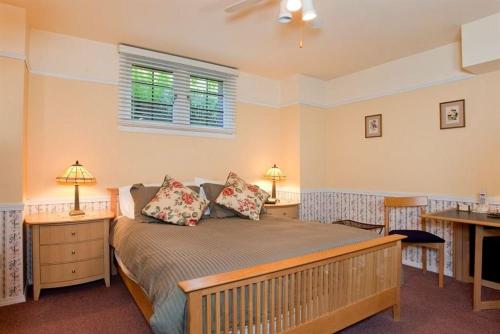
(152,94)
(207,102)
(170,94)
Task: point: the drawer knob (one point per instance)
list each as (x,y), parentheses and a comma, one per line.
(73,252)
(73,233)
(284,213)
(73,271)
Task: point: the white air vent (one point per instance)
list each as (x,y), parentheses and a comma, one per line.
(481,45)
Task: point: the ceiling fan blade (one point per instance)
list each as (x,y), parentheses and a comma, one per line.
(240,5)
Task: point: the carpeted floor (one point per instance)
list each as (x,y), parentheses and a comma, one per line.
(92,308)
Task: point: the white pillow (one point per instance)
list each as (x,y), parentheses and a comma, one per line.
(198,182)
(126,201)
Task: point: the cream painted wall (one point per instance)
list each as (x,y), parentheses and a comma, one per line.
(12,31)
(313,147)
(303,130)
(72,57)
(429,68)
(289,147)
(11,129)
(70,119)
(301,139)
(12,107)
(414,155)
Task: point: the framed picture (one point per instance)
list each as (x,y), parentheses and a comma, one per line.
(452,114)
(373,126)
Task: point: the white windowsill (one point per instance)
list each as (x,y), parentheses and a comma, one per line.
(190,133)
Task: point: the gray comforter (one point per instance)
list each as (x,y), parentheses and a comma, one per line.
(161,255)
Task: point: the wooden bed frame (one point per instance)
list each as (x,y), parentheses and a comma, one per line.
(321,292)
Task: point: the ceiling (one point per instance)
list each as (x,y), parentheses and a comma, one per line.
(354,34)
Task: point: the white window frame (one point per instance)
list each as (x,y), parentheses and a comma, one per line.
(182,69)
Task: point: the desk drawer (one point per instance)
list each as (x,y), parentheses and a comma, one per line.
(62,253)
(71,271)
(69,233)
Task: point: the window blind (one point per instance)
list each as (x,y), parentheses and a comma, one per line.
(158,91)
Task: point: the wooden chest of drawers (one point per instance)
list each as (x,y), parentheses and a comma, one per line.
(69,250)
(283,209)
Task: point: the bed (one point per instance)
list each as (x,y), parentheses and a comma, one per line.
(277,275)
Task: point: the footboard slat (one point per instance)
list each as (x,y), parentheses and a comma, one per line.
(250,306)
(234,325)
(242,308)
(272,319)
(265,329)
(321,293)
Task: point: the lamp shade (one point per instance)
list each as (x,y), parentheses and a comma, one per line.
(285,15)
(308,11)
(275,174)
(76,174)
(293,5)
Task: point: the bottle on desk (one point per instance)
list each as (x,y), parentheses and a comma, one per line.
(482,206)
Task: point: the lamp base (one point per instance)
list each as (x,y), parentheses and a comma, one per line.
(271,200)
(76,213)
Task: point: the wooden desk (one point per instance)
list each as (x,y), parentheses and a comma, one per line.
(485,227)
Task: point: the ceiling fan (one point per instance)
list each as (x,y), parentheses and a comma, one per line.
(286,8)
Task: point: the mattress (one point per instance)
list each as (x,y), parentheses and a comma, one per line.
(158,256)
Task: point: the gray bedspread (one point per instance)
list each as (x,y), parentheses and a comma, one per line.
(161,255)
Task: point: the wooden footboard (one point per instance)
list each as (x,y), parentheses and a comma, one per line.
(316,293)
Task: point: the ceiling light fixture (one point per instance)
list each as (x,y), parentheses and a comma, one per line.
(285,15)
(308,11)
(293,5)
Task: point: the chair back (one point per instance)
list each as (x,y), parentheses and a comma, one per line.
(419,202)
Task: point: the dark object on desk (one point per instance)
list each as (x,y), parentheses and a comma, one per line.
(364,226)
(495,215)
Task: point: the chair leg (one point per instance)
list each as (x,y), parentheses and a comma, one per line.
(396,311)
(424,259)
(441,266)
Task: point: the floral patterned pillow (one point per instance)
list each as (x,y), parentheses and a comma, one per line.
(174,203)
(244,198)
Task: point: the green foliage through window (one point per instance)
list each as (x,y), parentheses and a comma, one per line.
(206,102)
(152,94)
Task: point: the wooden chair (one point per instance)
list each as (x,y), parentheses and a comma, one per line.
(419,238)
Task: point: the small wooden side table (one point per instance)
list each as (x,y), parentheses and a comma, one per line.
(283,209)
(69,250)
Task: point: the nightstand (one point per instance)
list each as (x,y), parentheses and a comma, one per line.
(283,209)
(69,250)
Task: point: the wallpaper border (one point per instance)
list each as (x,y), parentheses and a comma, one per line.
(11,256)
(328,205)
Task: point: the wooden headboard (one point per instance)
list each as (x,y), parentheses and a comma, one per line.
(114,201)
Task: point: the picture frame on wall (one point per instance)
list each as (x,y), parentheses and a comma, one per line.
(373,126)
(452,114)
